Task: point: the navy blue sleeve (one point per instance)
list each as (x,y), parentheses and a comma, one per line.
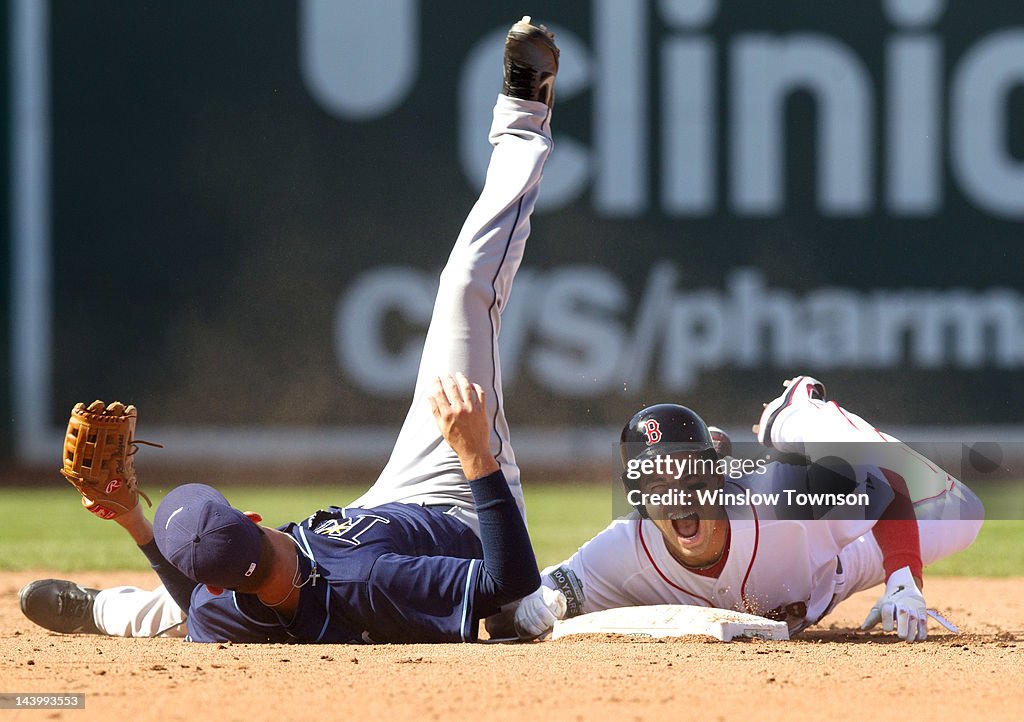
(177,584)
(510,568)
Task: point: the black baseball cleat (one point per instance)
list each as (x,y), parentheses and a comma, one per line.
(531,63)
(59,605)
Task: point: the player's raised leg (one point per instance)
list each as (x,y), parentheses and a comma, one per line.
(949,515)
(474,289)
(476,283)
(940,538)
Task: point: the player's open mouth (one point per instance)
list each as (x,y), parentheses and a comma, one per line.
(687,527)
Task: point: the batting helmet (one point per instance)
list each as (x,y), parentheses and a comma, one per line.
(660,430)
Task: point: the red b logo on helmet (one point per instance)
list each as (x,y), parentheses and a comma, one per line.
(652,430)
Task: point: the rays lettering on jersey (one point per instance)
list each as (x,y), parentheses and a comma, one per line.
(344,529)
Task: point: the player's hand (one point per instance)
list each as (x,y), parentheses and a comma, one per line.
(902,604)
(538,612)
(460,410)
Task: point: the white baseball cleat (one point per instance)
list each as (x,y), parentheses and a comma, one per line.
(799,390)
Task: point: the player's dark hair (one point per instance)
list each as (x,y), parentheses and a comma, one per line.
(250,585)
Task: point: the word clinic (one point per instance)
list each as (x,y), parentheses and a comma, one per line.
(939,110)
(718,497)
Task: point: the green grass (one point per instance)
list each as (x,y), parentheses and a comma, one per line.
(562,517)
(997,552)
(999,549)
(47,529)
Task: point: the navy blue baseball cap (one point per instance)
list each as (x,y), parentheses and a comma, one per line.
(205,538)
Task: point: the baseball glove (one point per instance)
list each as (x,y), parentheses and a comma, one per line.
(98,450)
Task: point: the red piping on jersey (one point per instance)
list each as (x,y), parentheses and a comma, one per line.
(882,437)
(843,414)
(643,543)
(743,586)
(918,457)
(849,421)
(952,483)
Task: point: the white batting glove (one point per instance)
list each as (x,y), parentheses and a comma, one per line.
(538,612)
(903,604)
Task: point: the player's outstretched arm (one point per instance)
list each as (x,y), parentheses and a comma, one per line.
(510,567)
(98,461)
(140,529)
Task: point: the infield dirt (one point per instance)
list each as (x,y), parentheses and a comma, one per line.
(830,672)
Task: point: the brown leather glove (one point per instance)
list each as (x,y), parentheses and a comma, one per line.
(98,450)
